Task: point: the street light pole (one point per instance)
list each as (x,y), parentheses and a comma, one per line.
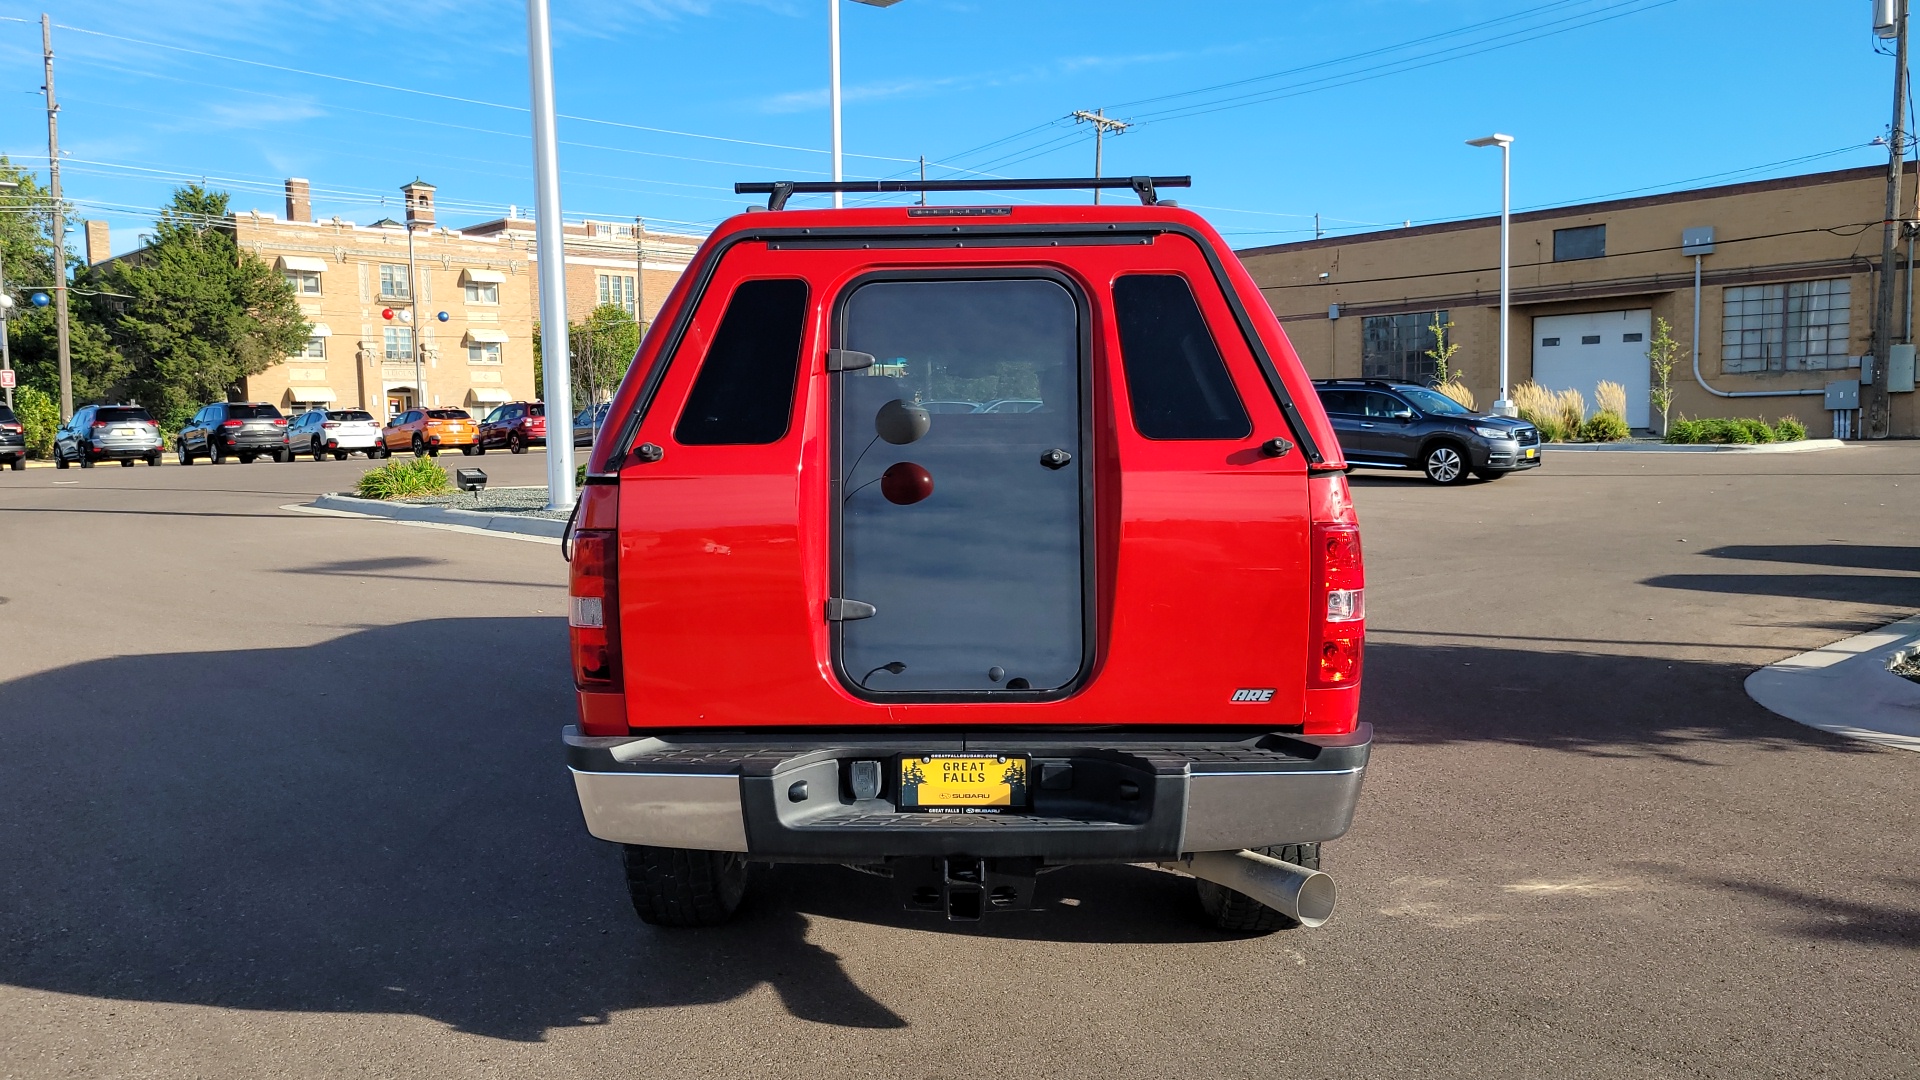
(59,228)
(1503,406)
(413,317)
(833,66)
(551,242)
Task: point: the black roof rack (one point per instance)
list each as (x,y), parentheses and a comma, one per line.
(779,191)
(1387,383)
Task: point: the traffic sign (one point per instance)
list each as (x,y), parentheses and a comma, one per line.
(6,378)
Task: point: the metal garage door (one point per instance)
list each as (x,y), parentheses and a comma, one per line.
(1580,351)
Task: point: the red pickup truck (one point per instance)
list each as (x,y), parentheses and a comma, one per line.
(1113,615)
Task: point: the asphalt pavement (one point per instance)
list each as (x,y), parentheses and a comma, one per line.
(281,796)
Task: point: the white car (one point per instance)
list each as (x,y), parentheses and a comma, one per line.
(333,431)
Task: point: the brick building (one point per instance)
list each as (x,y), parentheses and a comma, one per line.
(462,322)
(1786,298)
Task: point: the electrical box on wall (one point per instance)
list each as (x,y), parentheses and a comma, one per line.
(1843,395)
(1900,370)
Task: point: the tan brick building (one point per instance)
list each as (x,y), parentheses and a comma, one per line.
(1786,299)
(372,317)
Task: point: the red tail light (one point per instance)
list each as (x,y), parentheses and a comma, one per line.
(331,424)
(593,609)
(11,427)
(99,426)
(231,423)
(279,421)
(1338,602)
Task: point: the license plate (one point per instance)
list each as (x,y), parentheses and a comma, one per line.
(129,432)
(1532,453)
(963,783)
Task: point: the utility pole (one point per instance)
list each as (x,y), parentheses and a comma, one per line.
(60,225)
(640,274)
(1317,234)
(1878,422)
(6,313)
(923,179)
(1100,126)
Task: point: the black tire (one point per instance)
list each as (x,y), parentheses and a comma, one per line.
(516,444)
(1445,463)
(59,459)
(246,457)
(479,449)
(126,463)
(681,887)
(339,455)
(467,451)
(153,459)
(433,451)
(419,447)
(1491,474)
(180,451)
(1237,913)
(318,451)
(283,455)
(85,456)
(215,455)
(18,464)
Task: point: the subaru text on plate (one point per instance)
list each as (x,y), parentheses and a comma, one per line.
(1117,620)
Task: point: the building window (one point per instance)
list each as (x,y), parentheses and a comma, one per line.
(482,292)
(304,282)
(316,349)
(1395,346)
(602,229)
(1792,326)
(618,290)
(399,342)
(1585,242)
(393,282)
(1549,341)
(483,352)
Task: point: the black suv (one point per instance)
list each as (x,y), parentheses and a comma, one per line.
(13,440)
(1393,425)
(242,429)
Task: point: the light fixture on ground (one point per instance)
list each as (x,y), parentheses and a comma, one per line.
(472,481)
(1504,405)
(833,63)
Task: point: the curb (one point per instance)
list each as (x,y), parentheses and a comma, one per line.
(471,519)
(1802,446)
(1845,688)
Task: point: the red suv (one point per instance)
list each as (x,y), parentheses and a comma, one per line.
(814,619)
(514,427)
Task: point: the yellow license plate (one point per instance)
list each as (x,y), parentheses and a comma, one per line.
(960,783)
(1531,453)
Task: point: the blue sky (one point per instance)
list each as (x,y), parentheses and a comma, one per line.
(1604,97)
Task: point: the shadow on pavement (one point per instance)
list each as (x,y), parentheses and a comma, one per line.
(1900,591)
(382,823)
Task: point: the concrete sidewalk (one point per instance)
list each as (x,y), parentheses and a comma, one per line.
(1643,446)
(1845,688)
(523,524)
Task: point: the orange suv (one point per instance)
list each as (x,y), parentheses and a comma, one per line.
(426,432)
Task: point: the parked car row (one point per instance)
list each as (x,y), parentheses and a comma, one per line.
(252,429)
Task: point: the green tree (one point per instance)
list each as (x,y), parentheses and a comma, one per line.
(195,315)
(26,246)
(1442,353)
(1663,355)
(602,350)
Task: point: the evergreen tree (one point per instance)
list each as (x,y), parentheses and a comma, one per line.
(26,245)
(194,315)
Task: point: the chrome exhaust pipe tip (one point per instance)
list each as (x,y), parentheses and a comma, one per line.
(1304,895)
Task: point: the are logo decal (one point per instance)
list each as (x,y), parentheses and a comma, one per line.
(1252,696)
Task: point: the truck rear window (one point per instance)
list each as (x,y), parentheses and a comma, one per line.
(744,393)
(1175,375)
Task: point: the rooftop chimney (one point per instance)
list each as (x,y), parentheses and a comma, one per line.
(99,250)
(299,199)
(419,202)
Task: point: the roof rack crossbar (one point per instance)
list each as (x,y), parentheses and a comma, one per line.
(779,191)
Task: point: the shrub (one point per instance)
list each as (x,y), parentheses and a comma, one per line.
(1605,427)
(39,416)
(580,475)
(1610,397)
(1739,430)
(1458,392)
(1535,404)
(1683,432)
(1572,407)
(1756,431)
(400,479)
(1789,429)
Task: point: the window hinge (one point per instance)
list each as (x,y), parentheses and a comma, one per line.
(848,360)
(839,610)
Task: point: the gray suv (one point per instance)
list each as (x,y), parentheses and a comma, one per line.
(1393,425)
(123,433)
(13,440)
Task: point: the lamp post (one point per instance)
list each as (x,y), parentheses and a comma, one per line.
(550,241)
(833,64)
(1504,405)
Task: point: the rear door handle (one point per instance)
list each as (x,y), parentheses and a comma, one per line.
(1365,424)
